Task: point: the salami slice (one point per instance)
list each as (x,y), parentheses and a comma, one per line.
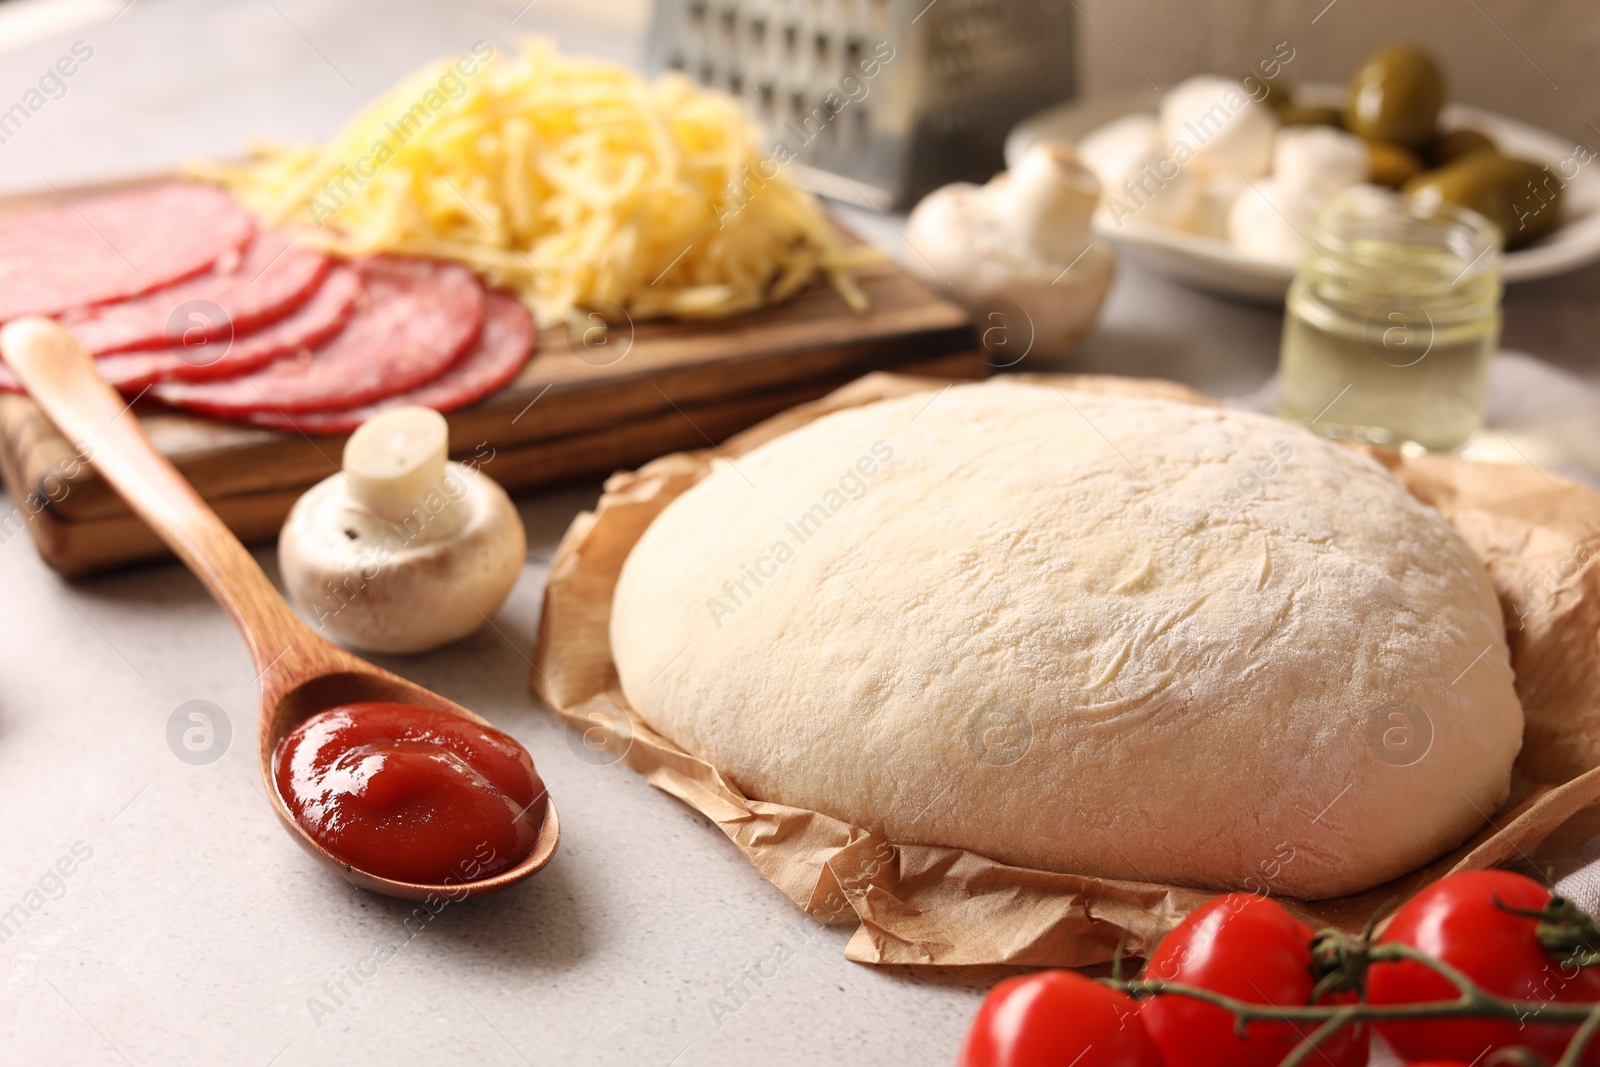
(502,350)
(115,247)
(319,319)
(416,317)
(269,281)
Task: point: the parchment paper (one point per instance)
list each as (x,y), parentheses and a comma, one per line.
(916,904)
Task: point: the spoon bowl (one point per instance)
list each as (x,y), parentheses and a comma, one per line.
(300,672)
(360,682)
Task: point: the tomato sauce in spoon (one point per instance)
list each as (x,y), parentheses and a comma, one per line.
(411,793)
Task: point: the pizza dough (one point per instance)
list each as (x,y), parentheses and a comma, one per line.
(1127,638)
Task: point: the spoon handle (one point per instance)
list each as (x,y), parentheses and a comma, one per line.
(62,379)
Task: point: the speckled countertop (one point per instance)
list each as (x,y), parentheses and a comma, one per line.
(169,920)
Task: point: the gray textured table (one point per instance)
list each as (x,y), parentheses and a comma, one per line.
(192,931)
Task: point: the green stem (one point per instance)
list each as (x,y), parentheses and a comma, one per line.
(1580,1040)
(1346,960)
(1303,1052)
(1473,1002)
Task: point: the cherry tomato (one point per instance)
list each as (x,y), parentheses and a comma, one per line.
(1057,1019)
(1249,948)
(1457,921)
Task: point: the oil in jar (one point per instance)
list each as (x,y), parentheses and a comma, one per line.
(1392,321)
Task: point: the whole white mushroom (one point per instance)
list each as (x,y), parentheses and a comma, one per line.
(1023,239)
(1216,127)
(402,551)
(1138,175)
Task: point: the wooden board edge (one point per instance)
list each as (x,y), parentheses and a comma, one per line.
(82,548)
(293,460)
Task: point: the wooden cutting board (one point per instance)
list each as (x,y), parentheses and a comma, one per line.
(588,402)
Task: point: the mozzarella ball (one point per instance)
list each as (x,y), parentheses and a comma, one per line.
(1109,149)
(1139,178)
(1214,200)
(1318,159)
(1269,221)
(1218,128)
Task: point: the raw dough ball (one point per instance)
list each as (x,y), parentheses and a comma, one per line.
(1125,638)
(1227,130)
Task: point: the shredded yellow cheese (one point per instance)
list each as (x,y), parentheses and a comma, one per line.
(571,182)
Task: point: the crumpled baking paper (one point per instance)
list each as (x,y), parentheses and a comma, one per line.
(1538,535)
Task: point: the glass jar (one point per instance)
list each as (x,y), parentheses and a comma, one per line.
(1392,320)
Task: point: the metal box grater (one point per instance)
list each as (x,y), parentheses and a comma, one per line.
(880,101)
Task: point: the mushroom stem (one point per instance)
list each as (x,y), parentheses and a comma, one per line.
(1048,200)
(395,463)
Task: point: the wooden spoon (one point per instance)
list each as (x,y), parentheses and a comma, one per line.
(300,673)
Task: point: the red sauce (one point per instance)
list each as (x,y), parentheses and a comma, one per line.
(411,793)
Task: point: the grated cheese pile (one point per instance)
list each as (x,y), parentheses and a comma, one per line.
(571,182)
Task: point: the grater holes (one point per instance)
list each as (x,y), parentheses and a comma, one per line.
(802,64)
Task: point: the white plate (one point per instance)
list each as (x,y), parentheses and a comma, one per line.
(1216,266)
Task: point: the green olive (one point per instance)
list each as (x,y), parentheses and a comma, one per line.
(1391,165)
(1458,144)
(1395,96)
(1521,197)
(1293,114)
